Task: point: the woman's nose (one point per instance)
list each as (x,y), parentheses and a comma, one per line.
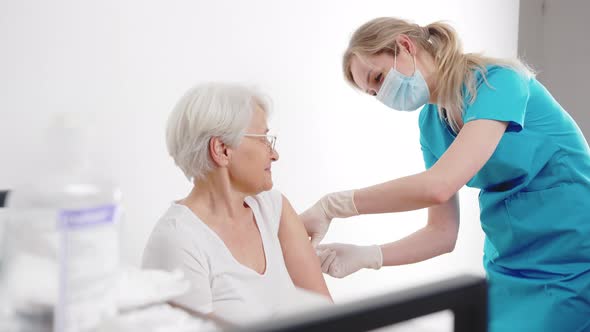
(275,155)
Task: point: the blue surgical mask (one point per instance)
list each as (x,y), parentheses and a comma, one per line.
(401,92)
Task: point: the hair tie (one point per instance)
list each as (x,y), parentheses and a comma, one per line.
(426,32)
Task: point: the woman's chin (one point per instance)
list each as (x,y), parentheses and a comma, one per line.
(268,186)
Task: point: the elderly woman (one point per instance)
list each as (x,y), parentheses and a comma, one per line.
(239,242)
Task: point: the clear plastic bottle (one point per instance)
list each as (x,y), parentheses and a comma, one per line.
(61,244)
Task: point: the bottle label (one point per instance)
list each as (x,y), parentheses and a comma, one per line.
(89,258)
(73,219)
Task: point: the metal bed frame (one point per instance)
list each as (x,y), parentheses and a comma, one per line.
(465,296)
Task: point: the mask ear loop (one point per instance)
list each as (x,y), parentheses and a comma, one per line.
(395,60)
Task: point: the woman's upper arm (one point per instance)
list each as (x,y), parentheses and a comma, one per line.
(473,147)
(300,257)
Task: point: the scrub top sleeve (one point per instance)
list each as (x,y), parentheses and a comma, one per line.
(429,158)
(503,98)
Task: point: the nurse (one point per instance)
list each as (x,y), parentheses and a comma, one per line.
(486,123)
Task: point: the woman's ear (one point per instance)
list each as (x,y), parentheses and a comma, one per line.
(219,151)
(406,44)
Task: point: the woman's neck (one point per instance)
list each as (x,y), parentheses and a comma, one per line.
(215,198)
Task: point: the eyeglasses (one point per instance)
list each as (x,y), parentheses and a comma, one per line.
(269,139)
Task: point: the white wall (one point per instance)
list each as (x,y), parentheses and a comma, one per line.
(125,64)
(553,38)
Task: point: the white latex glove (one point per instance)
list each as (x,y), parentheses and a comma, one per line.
(340,260)
(317,218)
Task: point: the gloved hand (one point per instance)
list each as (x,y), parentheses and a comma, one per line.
(340,260)
(317,218)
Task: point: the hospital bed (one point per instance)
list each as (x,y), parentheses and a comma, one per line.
(465,296)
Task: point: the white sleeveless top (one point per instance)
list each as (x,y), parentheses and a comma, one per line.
(219,283)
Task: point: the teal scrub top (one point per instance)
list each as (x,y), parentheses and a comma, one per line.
(534,199)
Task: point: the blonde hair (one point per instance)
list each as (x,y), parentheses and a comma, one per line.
(209,110)
(439,40)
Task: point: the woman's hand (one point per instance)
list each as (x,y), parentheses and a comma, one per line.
(340,260)
(317,218)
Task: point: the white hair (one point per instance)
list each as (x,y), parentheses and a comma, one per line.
(209,110)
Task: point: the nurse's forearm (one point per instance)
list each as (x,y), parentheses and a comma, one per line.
(404,194)
(421,245)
